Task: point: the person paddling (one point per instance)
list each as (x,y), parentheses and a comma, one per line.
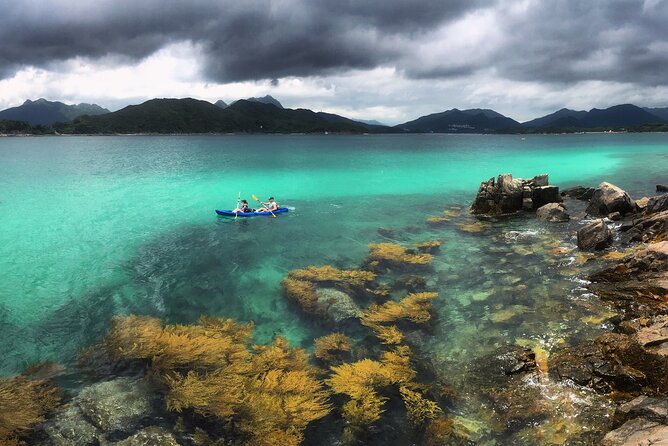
(244,207)
(268,206)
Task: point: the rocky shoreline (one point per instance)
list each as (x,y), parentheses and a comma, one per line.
(630,362)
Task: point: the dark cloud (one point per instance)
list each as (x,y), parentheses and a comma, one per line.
(570,40)
(242,40)
(560,41)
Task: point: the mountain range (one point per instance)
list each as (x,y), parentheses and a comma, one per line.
(43,112)
(196,116)
(267,115)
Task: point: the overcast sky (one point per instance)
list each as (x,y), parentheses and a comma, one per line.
(388,60)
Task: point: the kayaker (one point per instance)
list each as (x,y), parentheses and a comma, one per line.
(244,207)
(269,206)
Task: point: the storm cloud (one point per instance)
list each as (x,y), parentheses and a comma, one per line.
(545,41)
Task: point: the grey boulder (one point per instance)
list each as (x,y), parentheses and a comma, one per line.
(555,212)
(594,236)
(609,198)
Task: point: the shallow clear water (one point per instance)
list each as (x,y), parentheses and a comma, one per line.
(96,226)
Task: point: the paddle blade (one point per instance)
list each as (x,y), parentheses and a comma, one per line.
(254,197)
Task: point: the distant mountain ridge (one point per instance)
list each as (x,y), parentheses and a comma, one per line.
(43,112)
(617,116)
(660,112)
(267,100)
(196,116)
(267,115)
(460,121)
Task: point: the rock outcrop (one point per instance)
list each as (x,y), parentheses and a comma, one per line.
(555,212)
(638,284)
(657,204)
(614,362)
(579,193)
(661,188)
(508,195)
(594,236)
(103,410)
(641,421)
(608,198)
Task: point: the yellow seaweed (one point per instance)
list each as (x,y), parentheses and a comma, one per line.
(396,254)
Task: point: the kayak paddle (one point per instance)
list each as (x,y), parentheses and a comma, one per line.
(258,200)
(236,214)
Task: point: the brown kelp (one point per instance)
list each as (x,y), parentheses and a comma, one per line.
(267,392)
(331,348)
(391,254)
(24,403)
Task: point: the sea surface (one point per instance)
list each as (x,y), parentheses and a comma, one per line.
(91,227)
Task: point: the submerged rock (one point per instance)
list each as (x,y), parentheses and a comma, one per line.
(608,198)
(594,236)
(70,428)
(579,192)
(150,436)
(508,195)
(555,212)
(103,410)
(504,378)
(336,305)
(117,405)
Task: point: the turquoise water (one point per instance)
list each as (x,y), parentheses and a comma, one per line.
(96,226)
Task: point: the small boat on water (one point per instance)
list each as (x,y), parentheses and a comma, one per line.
(231,213)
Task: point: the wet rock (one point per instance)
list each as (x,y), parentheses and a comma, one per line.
(70,428)
(336,305)
(579,192)
(555,212)
(657,204)
(641,203)
(494,369)
(507,195)
(544,195)
(638,284)
(608,198)
(614,216)
(637,432)
(615,361)
(661,188)
(654,336)
(647,228)
(150,436)
(594,236)
(502,378)
(117,405)
(650,408)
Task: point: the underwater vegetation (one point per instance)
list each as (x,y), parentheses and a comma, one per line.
(428,247)
(266,394)
(391,254)
(414,307)
(332,348)
(301,285)
(24,403)
(329,273)
(369,384)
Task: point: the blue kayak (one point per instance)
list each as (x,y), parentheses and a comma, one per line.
(230,213)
